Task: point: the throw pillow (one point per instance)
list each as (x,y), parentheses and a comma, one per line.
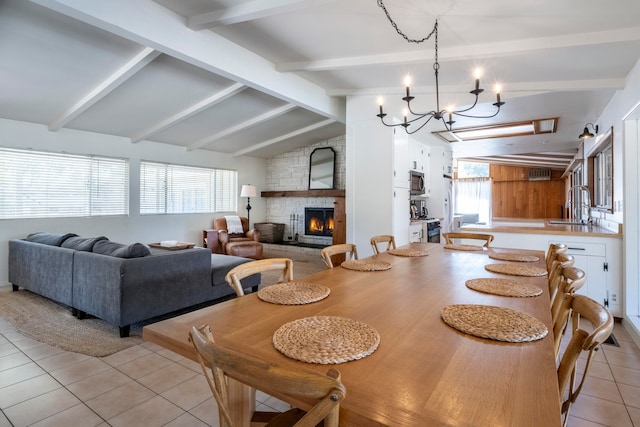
(134,250)
(51,239)
(81,243)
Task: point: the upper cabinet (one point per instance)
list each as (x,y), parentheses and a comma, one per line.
(419,160)
(418,157)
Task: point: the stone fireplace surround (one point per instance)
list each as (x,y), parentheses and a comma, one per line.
(290,172)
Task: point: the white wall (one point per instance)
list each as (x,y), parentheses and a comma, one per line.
(370,172)
(626,163)
(134,227)
(369,160)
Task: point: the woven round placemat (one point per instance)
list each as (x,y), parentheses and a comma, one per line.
(504,287)
(510,256)
(516,270)
(408,252)
(461,247)
(293,293)
(326,339)
(366,265)
(495,323)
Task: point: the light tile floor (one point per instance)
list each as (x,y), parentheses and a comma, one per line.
(144,385)
(147,385)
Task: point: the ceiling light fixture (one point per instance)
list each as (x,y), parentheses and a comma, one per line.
(586,134)
(421,119)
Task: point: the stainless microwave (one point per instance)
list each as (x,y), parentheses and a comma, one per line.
(416,183)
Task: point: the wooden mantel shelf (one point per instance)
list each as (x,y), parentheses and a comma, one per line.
(304,193)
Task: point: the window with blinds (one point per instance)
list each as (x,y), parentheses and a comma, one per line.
(171,189)
(37,184)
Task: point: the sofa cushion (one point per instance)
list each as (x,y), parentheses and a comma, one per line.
(49,238)
(134,250)
(81,243)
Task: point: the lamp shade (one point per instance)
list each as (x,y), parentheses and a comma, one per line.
(586,134)
(248,191)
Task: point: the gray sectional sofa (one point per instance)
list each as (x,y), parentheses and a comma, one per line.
(121,284)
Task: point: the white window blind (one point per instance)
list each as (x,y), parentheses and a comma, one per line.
(169,188)
(36,184)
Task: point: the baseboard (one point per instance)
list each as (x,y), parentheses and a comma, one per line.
(633,328)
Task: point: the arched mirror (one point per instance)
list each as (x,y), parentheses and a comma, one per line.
(322,168)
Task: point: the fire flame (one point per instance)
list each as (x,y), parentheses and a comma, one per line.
(315,225)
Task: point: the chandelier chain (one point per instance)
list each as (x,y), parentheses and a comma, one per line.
(399,31)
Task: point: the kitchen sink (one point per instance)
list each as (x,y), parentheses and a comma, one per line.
(565,222)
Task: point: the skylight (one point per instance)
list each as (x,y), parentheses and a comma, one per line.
(501,130)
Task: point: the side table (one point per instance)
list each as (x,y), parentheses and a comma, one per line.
(210,239)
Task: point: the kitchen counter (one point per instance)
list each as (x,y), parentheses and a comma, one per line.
(542,226)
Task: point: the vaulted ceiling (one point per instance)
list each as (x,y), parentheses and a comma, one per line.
(262,77)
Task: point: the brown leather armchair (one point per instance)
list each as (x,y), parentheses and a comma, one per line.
(249,250)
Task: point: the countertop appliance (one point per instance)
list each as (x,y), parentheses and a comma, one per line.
(418,210)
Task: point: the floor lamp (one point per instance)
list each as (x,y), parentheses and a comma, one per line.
(248,191)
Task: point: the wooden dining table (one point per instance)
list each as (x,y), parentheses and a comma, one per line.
(424,372)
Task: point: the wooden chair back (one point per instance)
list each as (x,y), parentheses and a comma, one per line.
(581,340)
(239,272)
(219,362)
(561,262)
(346,249)
(487,238)
(572,279)
(553,250)
(384,238)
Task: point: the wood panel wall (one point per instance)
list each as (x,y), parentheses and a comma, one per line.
(514,196)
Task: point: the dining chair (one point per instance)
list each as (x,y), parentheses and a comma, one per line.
(487,238)
(239,272)
(553,250)
(572,279)
(581,340)
(383,238)
(346,249)
(555,274)
(219,362)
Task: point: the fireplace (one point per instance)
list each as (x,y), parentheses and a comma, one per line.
(318,221)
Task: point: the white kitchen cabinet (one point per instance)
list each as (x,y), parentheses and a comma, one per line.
(592,259)
(415,232)
(598,256)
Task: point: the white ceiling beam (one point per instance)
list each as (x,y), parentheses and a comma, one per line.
(289,135)
(105,87)
(247,12)
(485,51)
(150,24)
(512,89)
(188,112)
(240,126)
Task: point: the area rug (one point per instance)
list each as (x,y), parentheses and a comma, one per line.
(51,323)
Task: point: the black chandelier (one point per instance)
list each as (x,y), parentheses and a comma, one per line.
(421,119)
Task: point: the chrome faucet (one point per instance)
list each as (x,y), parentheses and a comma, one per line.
(579,204)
